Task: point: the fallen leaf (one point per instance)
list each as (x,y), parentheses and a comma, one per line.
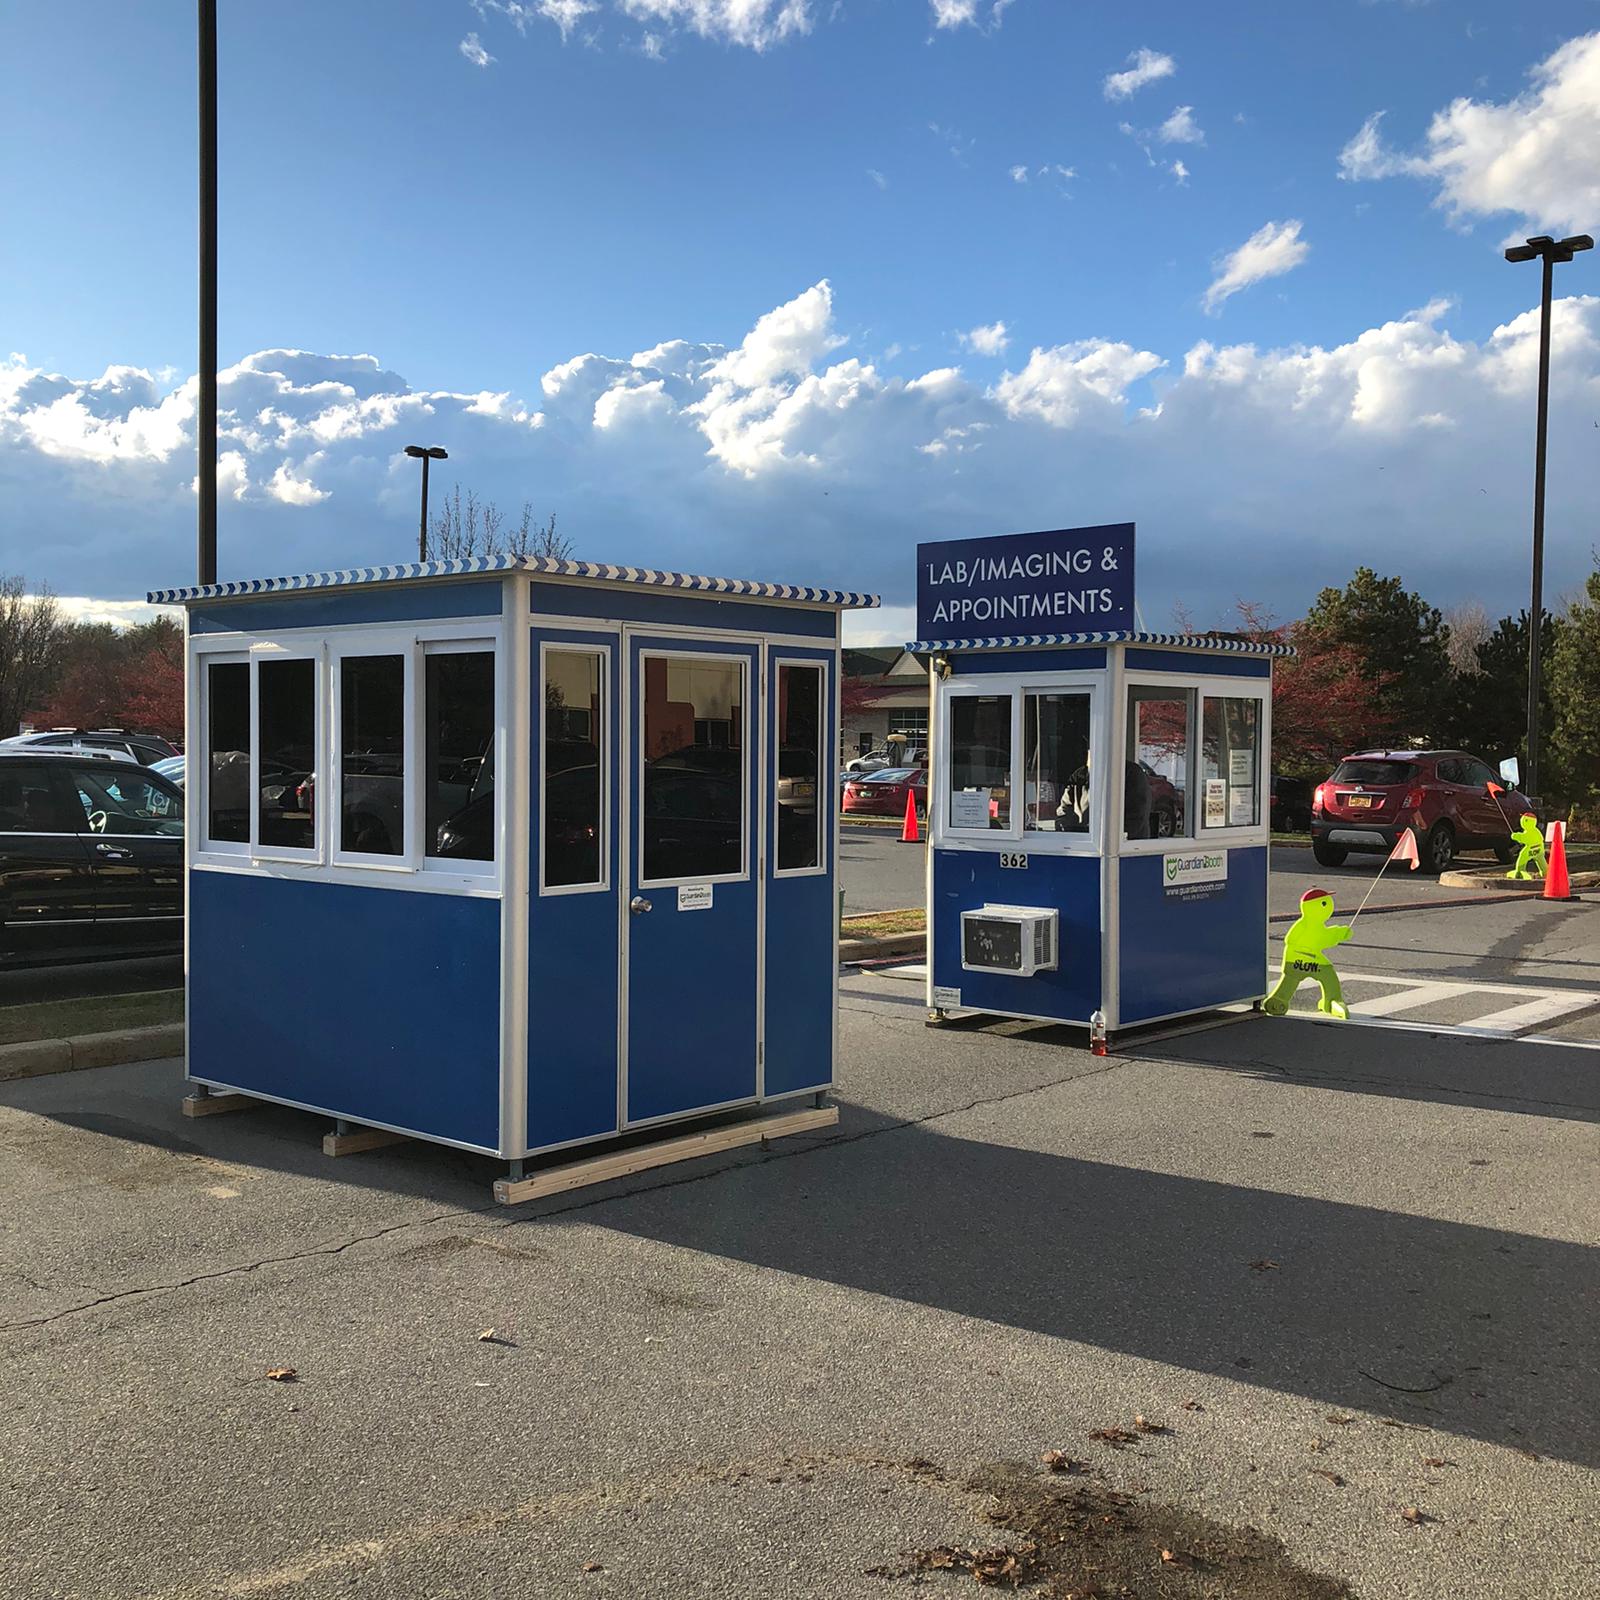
(1145,1425)
(1436,1461)
(1332,1477)
(1192,1405)
(1175,1558)
(283,1374)
(1115,1437)
(1060,1461)
(1415,1516)
(1318,1444)
(593,1566)
(1265,1264)
(1338,1421)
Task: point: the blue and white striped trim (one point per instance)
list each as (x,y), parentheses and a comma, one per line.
(648,577)
(1032,641)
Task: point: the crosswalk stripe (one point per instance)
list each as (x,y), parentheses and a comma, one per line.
(1419,994)
(1531,1013)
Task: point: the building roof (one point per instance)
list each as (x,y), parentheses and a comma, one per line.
(550,566)
(1210,643)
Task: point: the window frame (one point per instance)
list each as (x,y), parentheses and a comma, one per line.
(603,744)
(1263,780)
(273,651)
(820,666)
(475,642)
(747,670)
(1090,681)
(340,650)
(200,778)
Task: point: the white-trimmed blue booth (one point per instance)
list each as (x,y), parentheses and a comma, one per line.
(513,854)
(1099,824)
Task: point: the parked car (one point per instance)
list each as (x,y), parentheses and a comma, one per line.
(1166,804)
(145,748)
(1291,805)
(797,779)
(91,857)
(872,761)
(1442,796)
(883,794)
(172,768)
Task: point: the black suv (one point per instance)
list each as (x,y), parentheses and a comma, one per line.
(145,748)
(91,857)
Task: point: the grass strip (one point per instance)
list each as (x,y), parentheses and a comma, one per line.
(101,1013)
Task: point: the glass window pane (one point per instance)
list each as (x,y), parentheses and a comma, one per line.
(287,709)
(1156,772)
(458,773)
(980,761)
(1230,743)
(1055,762)
(118,797)
(799,767)
(30,804)
(372,760)
(695,773)
(573,726)
(228,751)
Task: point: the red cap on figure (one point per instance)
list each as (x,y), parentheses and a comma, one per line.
(1314,894)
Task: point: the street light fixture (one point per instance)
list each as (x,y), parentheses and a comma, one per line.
(425,454)
(1549,251)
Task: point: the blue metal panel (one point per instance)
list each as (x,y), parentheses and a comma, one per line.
(1088,659)
(691,974)
(801,913)
(1182,954)
(1207,665)
(572,956)
(377,1005)
(966,879)
(330,608)
(680,610)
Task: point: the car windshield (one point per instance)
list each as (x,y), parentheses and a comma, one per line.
(891,775)
(1373,772)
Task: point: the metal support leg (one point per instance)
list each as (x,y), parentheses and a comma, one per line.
(819,1099)
(514,1172)
(340,1125)
(199,1091)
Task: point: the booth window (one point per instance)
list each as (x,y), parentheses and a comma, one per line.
(694,768)
(1055,762)
(1156,769)
(372,754)
(458,763)
(286,694)
(573,808)
(980,761)
(799,764)
(227,701)
(1230,745)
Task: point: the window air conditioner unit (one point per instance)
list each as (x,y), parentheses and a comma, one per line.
(1021,940)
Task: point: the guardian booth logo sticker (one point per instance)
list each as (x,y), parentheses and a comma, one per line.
(1195,877)
(1071,580)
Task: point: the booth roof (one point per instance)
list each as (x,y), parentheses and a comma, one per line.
(601,572)
(1219,643)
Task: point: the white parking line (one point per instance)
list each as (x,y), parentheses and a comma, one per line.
(1406,999)
(1531,1013)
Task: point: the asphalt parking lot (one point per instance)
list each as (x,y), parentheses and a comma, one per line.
(1346,1283)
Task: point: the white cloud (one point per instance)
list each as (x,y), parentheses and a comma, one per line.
(1145,66)
(472,48)
(877,177)
(1181,128)
(1269,252)
(755,24)
(1019,174)
(986,341)
(113,613)
(565,14)
(650,45)
(792,456)
(964,13)
(1532,157)
(1180,172)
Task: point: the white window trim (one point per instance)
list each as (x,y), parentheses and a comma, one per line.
(434,642)
(272,651)
(603,739)
(1018,685)
(748,775)
(1263,780)
(340,650)
(778,663)
(199,786)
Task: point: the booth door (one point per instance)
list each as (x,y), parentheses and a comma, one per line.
(690,922)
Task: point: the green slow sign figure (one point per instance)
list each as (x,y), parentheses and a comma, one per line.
(1305,948)
(1532,851)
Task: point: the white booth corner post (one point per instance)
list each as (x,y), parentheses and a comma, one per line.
(1102,805)
(531,857)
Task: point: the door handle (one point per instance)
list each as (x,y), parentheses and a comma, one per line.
(638,905)
(112,853)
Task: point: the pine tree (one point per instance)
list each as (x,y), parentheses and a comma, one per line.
(1573,684)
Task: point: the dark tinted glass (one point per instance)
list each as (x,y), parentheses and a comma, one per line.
(121,798)
(573,720)
(372,715)
(287,707)
(1373,772)
(29,803)
(799,767)
(980,761)
(228,751)
(692,732)
(458,721)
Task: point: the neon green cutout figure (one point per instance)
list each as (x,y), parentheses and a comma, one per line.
(1532,851)
(1305,948)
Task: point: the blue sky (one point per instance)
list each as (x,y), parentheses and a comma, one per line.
(902,175)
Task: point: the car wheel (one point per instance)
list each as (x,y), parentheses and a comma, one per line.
(1328,855)
(1439,849)
(1162,823)
(1505,853)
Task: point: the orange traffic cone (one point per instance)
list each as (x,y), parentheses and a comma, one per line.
(908,833)
(1557,885)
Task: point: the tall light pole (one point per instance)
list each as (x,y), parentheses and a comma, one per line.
(425,454)
(1549,251)
(206,402)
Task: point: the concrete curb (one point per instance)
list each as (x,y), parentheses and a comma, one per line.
(888,944)
(1509,888)
(37,1057)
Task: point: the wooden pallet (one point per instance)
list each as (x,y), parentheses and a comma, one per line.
(354,1140)
(214,1104)
(623,1163)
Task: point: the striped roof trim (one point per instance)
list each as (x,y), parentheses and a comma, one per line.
(648,577)
(1186,641)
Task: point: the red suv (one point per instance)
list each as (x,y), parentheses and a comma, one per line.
(1441,795)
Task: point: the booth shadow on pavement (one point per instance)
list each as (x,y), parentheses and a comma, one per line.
(1480,1331)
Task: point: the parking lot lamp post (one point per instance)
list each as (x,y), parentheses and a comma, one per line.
(1549,251)
(425,454)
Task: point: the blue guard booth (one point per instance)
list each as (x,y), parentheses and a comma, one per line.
(1101,796)
(514,854)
